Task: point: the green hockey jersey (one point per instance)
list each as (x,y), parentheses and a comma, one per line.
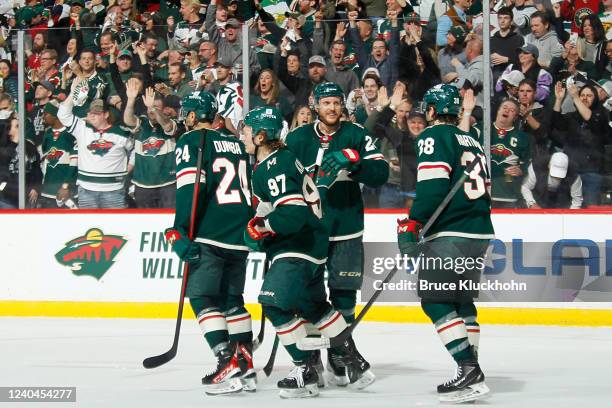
(154,155)
(289,201)
(59,161)
(509,147)
(342,204)
(443,153)
(224,200)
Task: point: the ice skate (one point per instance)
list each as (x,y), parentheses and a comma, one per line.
(336,372)
(468,384)
(318,365)
(357,368)
(225,379)
(245,362)
(300,383)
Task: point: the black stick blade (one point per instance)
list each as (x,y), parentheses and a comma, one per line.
(270,364)
(156,361)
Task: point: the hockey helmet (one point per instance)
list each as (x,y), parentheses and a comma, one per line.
(326,89)
(265,118)
(445,98)
(204,104)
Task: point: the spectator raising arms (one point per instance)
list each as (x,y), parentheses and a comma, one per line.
(103,150)
(583,136)
(528,65)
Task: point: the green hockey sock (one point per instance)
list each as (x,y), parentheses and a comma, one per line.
(344,301)
(468,313)
(238,320)
(289,330)
(212,323)
(450,328)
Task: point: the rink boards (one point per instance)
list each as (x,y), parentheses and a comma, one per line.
(117,264)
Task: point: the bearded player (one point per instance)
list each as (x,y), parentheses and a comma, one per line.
(461,232)
(217,254)
(351,157)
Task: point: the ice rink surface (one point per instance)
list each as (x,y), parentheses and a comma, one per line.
(526,366)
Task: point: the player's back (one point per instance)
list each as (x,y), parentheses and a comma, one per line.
(225,200)
(443,153)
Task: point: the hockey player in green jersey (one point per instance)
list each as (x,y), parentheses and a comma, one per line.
(461,232)
(287,227)
(351,157)
(217,255)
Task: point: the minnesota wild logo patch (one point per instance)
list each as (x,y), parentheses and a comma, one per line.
(100,147)
(152,146)
(91,254)
(54,156)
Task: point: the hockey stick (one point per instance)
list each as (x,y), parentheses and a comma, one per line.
(319,343)
(270,364)
(262,328)
(156,361)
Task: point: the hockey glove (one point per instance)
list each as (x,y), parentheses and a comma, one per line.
(408,236)
(325,179)
(257,230)
(339,160)
(254,245)
(186,250)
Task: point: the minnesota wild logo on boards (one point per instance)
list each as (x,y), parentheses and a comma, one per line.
(91,254)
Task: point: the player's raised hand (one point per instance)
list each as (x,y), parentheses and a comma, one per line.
(343,159)
(469,101)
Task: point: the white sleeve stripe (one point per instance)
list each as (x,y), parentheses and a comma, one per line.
(376,156)
(187,178)
(427,165)
(292,199)
(186,170)
(433,173)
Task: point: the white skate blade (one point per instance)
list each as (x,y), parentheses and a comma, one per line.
(333,379)
(313,343)
(231,386)
(364,381)
(471,393)
(249,382)
(310,390)
(321,375)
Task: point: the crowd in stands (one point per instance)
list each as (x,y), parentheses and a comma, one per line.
(105,80)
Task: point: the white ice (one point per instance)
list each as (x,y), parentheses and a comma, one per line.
(526,366)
